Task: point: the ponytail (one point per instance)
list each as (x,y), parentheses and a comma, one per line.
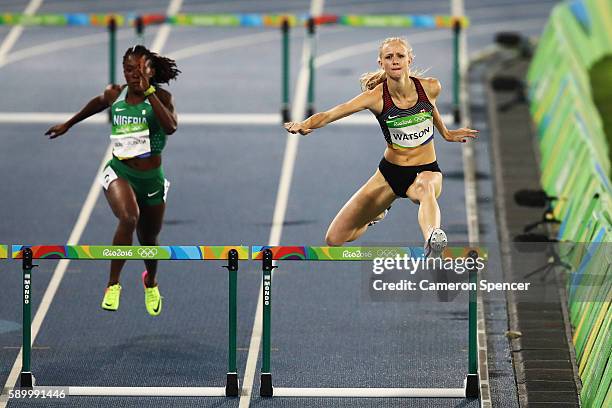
(370,80)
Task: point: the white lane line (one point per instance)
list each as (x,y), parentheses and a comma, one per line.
(280,207)
(15,33)
(252,119)
(184,118)
(239,41)
(424,37)
(218,45)
(471,208)
(75,235)
(58,273)
(162,35)
(56,46)
(6,46)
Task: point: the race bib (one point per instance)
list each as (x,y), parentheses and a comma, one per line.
(410,131)
(128,145)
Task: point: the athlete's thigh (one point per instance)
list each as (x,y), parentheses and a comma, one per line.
(121,198)
(151,218)
(367,203)
(423,178)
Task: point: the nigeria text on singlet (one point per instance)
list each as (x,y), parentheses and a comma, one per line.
(136,132)
(407,128)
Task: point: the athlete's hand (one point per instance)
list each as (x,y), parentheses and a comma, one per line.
(461,135)
(144,73)
(57,130)
(297,127)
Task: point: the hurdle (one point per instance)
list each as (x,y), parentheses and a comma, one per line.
(3,251)
(96,252)
(308,253)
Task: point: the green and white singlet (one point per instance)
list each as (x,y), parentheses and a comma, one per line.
(136,132)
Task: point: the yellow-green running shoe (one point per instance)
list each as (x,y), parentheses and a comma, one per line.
(111,298)
(153,300)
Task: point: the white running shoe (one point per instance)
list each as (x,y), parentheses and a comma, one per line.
(436,243)
(379,218)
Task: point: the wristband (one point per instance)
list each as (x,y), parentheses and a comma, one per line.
(150,90)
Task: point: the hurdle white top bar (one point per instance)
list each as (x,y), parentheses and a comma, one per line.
(370,392)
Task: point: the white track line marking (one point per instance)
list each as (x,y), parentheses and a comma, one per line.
(471,207)
(75,235)
(280,207)
(55,46)
(218,45)
(15,33)
(250,119)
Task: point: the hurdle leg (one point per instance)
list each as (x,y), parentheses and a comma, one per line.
(311,67)
(285,112)
(472,388)
(231,384)
(266,389)
(26,379)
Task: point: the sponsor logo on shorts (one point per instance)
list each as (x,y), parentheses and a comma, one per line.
(152,194)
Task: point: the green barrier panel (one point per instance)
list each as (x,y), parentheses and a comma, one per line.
(601,337)
(575,166)
(603,398)
(232,254)
(3,251)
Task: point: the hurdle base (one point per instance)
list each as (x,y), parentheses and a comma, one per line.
(369,392)
(266,389)
(472,388)
(231,385)
(144,391)
(26,380)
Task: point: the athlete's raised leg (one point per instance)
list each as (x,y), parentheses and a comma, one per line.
(368,203)
(424,191)
(122,201)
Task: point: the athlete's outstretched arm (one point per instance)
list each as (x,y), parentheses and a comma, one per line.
(95,105)
(433,88)
(365,100)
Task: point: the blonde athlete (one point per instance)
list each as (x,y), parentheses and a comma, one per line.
(405,107)
(142,115)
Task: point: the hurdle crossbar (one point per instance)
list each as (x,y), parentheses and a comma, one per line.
(267,254)
(99,252)
(235,20)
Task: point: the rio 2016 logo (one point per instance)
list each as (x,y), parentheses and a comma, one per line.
(117,253)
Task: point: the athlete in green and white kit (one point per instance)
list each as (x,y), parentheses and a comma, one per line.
(142,115)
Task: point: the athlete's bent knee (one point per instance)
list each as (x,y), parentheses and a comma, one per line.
(334,240)
(424,187)
(128,220)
